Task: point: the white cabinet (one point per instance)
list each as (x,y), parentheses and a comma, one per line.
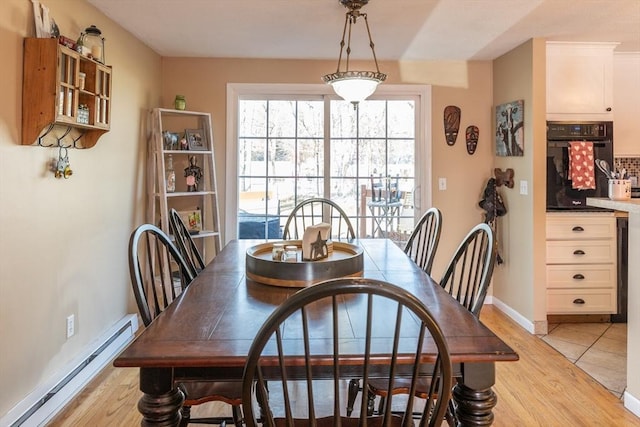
(626,96)
(580,81)
(581,263)
(184,140)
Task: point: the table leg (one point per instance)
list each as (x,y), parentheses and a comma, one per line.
(473,397)
(160,405)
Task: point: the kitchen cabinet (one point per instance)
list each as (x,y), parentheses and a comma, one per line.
(182,171)
(580,81)
(66,97)
(581,263)
(626,95)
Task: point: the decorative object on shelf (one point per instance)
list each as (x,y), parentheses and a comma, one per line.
(184,145)
(314,242)
(472,134)
(451,123)
(290,253)
(62,167)
(504,177)
(196,139)
(510,129)
(171,175)
(92,43)
(82,77)
(193,220)
(170,140)
(180,103)
(277,252)
(83,114)
(193,173)
(354,86)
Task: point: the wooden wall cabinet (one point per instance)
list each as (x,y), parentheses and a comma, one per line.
(53,92)
(626,95)
(581,263)
(580,81)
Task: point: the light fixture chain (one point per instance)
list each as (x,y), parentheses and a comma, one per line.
(371,44)
(344,31)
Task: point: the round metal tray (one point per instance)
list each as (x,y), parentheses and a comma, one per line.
(345,260)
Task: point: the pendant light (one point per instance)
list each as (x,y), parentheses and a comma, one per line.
(350,85)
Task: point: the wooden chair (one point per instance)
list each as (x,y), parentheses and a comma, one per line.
(467,279)
(421,248)
(296,397)
(316,210)
(159,274)
(423,242)
(185,243)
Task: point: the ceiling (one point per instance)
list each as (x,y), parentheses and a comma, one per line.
(401,29)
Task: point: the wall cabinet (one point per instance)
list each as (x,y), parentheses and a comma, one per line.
(581,263)
(182,140)
(580,81)
(626,95)
(66,97)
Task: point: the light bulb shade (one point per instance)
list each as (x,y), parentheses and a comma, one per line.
(354,86)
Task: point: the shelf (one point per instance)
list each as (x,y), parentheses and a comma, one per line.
(52,95)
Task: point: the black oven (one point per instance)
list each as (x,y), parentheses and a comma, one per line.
(560,192)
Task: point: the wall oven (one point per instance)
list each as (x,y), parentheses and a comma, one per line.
(561,191)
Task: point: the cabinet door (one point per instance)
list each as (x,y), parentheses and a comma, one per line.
(67,102)
(580,80)
(626,95)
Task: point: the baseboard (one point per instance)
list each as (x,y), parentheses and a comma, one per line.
(514,315)
(42,404)
(632,403)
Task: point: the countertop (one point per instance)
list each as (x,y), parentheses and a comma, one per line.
(631,205)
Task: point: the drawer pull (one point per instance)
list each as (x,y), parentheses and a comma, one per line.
(578,276)
(578,301)
(577,228)
(578,252)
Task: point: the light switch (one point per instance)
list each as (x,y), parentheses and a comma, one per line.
(524,188)
(442,184)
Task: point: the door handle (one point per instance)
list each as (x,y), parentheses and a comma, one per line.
(578,301)
(578,252)
(578,276)
(577,228)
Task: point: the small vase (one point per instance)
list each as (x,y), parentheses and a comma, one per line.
(180,102)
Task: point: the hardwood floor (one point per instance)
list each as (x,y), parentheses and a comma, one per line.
(542,389)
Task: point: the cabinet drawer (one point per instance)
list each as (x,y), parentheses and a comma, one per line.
(566,301)
(581,276)
(574,227)
(581,252)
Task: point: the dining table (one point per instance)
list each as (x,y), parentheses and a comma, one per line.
(206,333)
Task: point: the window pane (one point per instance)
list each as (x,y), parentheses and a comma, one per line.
(282,118)
(372,119)
(311,158)
(281,157)
(311,119)
(343,120)
(402,122)
(252,118)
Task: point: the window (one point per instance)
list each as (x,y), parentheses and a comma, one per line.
(291,142)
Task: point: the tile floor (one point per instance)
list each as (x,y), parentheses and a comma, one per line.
(599,349)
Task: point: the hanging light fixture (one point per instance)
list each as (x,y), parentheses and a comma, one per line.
(350,85)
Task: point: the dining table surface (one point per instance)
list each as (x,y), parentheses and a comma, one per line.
(206,333)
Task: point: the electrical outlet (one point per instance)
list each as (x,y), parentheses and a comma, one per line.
(442,184)
(524,188)
(71,325)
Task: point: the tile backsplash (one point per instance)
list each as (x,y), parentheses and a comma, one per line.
(631,164)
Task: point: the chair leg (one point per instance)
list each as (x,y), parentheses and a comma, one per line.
(380,405)
(186,416)
(371,401)
(352,393)
(237,416)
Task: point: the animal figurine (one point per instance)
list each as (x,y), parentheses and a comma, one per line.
(504,178)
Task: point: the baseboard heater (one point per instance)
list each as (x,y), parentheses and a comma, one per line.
(45,402)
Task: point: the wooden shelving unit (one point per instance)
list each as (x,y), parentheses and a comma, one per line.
(53,93)
(205,198)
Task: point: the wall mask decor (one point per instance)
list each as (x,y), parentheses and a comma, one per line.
(510,129)
(451,123)
(472,133)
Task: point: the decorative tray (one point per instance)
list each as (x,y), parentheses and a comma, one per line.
(344,260)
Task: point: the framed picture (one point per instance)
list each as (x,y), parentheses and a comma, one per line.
(193,220)
(196,139)
(510,129)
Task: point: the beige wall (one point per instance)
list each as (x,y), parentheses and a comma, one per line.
(520,281)
(63,242)
(467,85)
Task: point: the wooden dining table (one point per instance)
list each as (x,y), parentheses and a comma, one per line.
(205,334)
